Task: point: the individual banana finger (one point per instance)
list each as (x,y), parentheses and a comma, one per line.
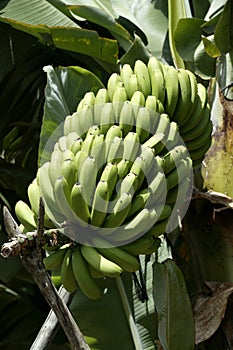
(100,204)
(25,215)
(78,203)
(83,276)
(126,120)
(55,258)
(119,212)
(99,262)
(67,274)
(124,259)
(141,71)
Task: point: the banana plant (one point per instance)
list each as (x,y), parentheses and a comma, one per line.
(95,39)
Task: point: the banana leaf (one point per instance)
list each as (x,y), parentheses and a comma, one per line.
(173,307)
(42,20)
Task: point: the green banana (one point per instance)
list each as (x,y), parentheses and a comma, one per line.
(100,263)
(199,128)
(87,178)
(113,82)
(47,193)
(139,225)
(128,184)
(131,146)
(77,146)
(100,204)
(71,138)
(34,196)
(68,154)
(184,168)
(155,69)
(87,143)
(119,97)
(67,274)
(184,103)
(115,150)
(67,125)
(88,100)
(78,204)
(173,138)
(173,157)
(158,229)
(122,258)
(139,202)
(98,150)
(199,110)
(93,130)
(112,132)
(85,120)
(83,276)
(126,119)
(101,97)
(202,139)
(123,167)
(119,212)
(141,71)
(171,89)
(69,171)
(107,117)
(132,85)
(125,73)
(146,244)
(143,124)
(79,159)
(151,103)
(25,215)
(62,198)
(137,100)
(55,258)
(157,188)
(110,175)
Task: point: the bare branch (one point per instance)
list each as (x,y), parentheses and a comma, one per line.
(29,246)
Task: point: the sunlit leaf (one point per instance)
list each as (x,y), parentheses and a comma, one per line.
(35,12)
(210,47)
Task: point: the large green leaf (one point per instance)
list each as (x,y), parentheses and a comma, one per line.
(96,12)
(65,88)
(35,12)
(188,39)
(223,32)
(52,27)
(151,17)
(176,324)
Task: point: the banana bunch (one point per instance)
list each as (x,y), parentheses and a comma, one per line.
(164,89)
(119,174)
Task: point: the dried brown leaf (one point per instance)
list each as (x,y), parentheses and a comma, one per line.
(209,311)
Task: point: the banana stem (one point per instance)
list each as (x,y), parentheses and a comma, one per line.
(129,315)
